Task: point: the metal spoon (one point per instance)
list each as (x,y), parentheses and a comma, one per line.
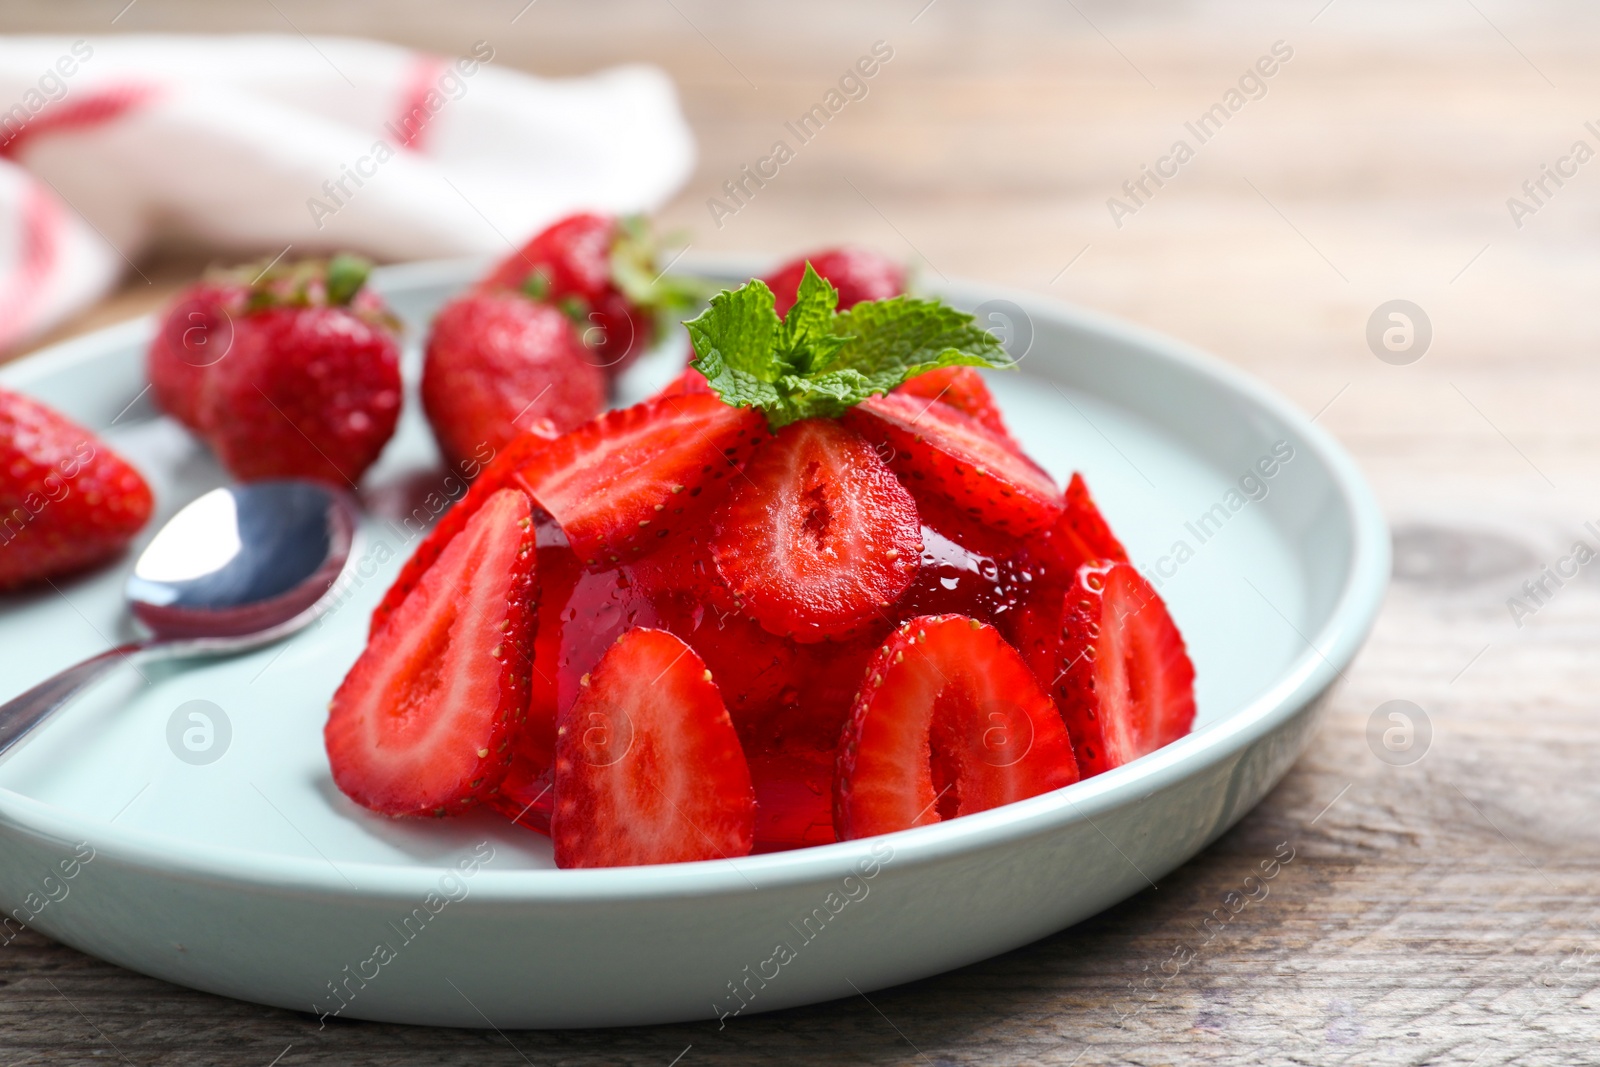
(237,568)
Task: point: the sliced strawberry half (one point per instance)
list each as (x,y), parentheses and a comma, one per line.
(1083,531)
(423,723)
(648,767)
(1124,682)
(690,383)
(493,478)
(963,389)
(818,537)
(1051,560)
(620,483)
(934,447)
(949,722)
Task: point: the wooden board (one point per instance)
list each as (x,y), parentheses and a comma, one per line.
(1438,913)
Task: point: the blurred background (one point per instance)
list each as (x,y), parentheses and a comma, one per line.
(1443,912)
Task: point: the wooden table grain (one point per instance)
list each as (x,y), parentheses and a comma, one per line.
(1437,913)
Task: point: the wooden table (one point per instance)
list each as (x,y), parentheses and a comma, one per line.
(1441,912)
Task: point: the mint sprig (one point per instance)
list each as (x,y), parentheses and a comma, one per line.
(818,362)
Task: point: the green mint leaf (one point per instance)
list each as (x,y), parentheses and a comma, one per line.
(808,339)
(903,337)
(816,362)
(735,340)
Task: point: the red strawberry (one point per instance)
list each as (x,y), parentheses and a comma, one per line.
(1082,531)
(494,477)
(66,500)
(573,265)
(794,801)
(424,721)
(754,669)
(195,334)
(621,483)
(818,537)
(857,273)
(932,446)
(1123,679)
(680,567)
(648,767)
(291,373)
(497,364)
(1079,535)
(689,383)
(949,722)
(963,389)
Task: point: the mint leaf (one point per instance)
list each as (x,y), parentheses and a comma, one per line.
(735,340)
(808,339)
(903,337)
(818,362)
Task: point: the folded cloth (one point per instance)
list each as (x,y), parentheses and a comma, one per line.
(256,145)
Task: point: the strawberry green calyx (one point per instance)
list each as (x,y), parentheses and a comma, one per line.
(339,281)
(346,275)
(635,273)
(820,362)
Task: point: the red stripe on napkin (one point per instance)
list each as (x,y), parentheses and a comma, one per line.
(411,125)
(72,113)
(38,246)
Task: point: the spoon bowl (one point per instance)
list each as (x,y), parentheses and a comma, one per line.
(236,568)
(241,562)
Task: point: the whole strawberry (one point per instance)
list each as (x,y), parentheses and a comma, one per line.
(601,272)
(291,372)
(499,364)
(858,274)
(66,500)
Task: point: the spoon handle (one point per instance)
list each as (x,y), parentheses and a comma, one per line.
(23,713)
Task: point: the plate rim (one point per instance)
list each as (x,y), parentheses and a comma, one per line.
(1311,672)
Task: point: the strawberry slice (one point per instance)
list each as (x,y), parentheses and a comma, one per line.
(949,722)
(932,446)
(794,800)
(648,767)
(690,383)
(1125,683)
(963,389)
(1084,529)
(1079,535)
(754,669)
(619,483)
(423,723)
(496,476)
(818,537)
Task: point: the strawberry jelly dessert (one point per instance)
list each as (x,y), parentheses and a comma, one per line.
(813,590)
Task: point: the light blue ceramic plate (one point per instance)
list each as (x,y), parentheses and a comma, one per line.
(251,876)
